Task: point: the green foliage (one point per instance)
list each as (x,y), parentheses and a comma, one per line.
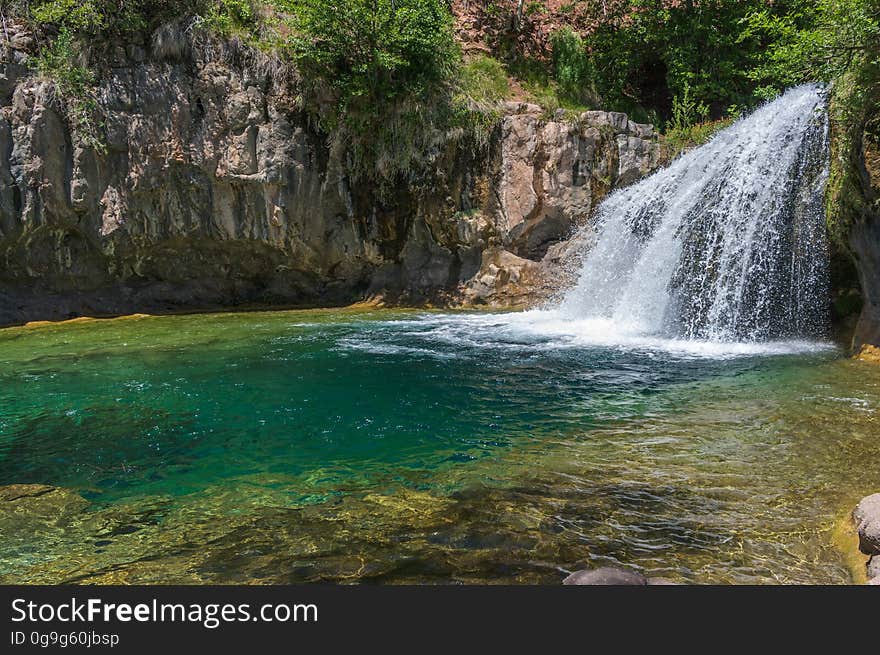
(540,84)
(371,52)
(535,7)
(647,52)
(688,60)
(572,67)
(484,79)
(834,41)
(379,77)
(813,39)
(677,140)
(75,84)
(91,17)
(107,18)
(228,17)
(70,14)
(686,111)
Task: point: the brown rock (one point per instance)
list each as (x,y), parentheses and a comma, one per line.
(869,353)
(866,517)
(606,576)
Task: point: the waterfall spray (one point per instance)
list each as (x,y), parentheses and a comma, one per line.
(726,244)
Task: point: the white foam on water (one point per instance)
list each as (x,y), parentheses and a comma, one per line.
(549,330)
(373,346)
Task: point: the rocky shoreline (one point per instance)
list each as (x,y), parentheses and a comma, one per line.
(866,517)
(232,197)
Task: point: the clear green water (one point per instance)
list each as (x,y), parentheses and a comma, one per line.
(421,447)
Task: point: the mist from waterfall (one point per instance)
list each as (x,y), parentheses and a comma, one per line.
(726,244)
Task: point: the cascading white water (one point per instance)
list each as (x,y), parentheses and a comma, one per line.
(726,244)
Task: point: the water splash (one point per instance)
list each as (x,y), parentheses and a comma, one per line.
(726,244)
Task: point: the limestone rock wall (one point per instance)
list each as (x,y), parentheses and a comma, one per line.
(215,190)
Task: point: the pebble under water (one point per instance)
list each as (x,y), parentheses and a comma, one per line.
(418,447)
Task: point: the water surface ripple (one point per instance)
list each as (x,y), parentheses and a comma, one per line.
(425,447)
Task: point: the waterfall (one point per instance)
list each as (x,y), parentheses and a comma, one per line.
(726,244)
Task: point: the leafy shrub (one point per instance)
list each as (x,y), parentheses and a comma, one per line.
(572,67)
(75,86)
(534,8)
(484,79)
(833,41)
(370,52)
(91,16)
(539,81)
(380,77)
(686,111)
(230,16)
(678,140)
(643,53)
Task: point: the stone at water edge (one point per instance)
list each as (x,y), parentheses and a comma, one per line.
(866,516)
(873,568)
(869,353)
(606,575)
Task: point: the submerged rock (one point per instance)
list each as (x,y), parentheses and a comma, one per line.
(39,500)
(27,509)
(867,519)
(607,575)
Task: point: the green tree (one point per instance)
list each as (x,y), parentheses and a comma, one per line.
(836,41)
(813,40)
(380,77)
(645,53)
(370,53)
(572,67)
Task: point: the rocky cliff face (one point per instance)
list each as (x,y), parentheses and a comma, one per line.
(864,242)
(215,190)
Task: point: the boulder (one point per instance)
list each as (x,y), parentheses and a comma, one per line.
(607,575)
(553,173)
(869,353)
(867,519)
(504,279)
